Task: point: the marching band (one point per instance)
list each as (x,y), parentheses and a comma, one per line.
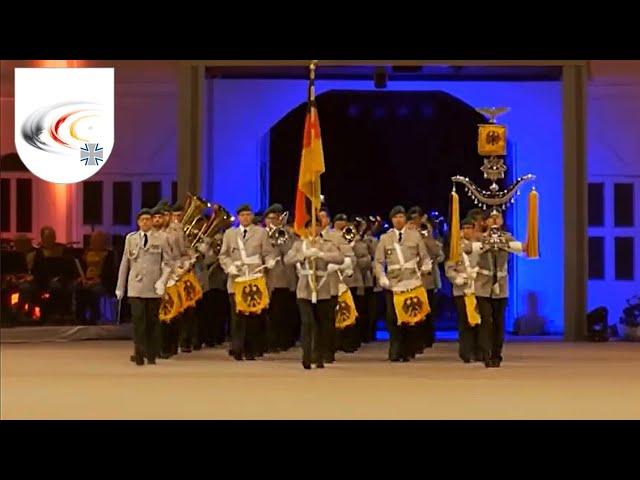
(188,271)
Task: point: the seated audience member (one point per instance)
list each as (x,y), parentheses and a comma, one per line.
(99,274)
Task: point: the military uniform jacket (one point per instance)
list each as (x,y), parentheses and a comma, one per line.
(176,242)
(281,275)
(431,279)
(295,256)
(247,254)
(464,270)
(348,263)
(367,274)
(362,265)
(217,276)
(142,267)
(492,277)
(401,262)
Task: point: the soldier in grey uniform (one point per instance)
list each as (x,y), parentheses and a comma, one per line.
(462,275)
(401,258)
(349,338)
(281,280)
(220,306)
(491,285)
(143,266)
(371,289)
(426,330)
(318,314)
(245,249)
(345,269)
(203,310)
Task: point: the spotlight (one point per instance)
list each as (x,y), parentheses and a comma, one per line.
(380,78)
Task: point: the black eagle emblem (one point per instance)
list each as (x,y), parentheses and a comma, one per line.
(412,306)
(167,305)
(189,290)
(492,137)
(343,311)
(251,295)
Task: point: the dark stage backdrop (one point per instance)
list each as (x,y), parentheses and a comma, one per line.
(381,148)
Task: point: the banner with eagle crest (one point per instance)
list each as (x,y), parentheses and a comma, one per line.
(345,310)
(190,289)
(411,305)
(251,294)
(172,303)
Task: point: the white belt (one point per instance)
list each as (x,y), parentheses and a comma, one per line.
(500,274)
(308,272)
(252,260)
(409,265)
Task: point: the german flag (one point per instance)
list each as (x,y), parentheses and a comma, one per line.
(311,165)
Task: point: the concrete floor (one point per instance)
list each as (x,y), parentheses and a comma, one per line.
(542,380)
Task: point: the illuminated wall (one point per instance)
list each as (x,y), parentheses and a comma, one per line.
(242,111)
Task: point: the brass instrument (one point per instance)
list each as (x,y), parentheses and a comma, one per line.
(349,233)
(425,228)
(279,235)
(220,220)
(370,224)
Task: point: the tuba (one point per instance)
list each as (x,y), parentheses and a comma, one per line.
(193,219)
(220,220)
(279,235)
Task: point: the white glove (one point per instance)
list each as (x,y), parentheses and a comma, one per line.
(271,263)
(333,267)
(460,280)
(427,265)
(312,252)
(203,248)
(348,273)
(384,282)
(119,294)
(159,288)
(233,270)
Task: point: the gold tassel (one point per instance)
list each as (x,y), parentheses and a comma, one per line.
(531,242)
(454,239)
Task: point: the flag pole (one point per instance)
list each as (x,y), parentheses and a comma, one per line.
(314,286)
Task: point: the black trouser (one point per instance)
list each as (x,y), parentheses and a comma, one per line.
(187,327)
(204,321)
(144,315)
(371,315)
(295,323)
(221,313)
(399,339)
(468,336)
(491,334)
(316,324)
(429,329)
(348,338)
(332,340)
(168,337)
(245,331)
(278,324)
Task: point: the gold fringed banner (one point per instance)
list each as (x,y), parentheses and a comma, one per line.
(190,289)
(251,294)
(172,304)
(532,248)
(454,241)
(345,310)
(411,306)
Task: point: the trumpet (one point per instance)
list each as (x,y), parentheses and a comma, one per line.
(279,235)
(349,233)
(371,224)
